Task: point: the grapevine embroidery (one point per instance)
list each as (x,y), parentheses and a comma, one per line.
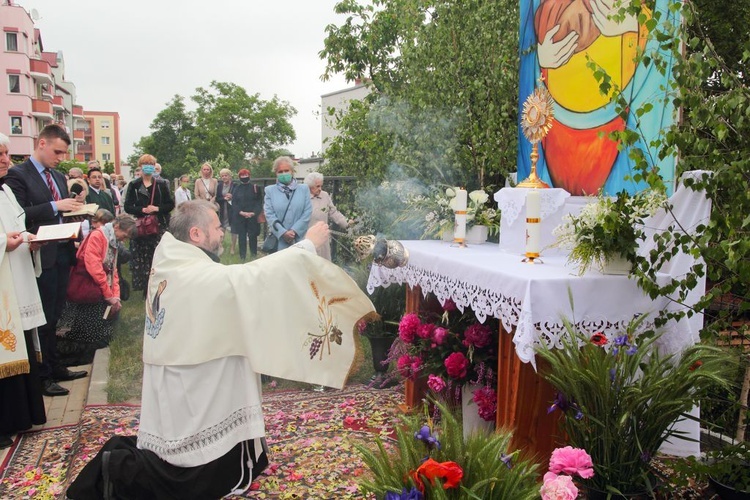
(329,332)
(7,337)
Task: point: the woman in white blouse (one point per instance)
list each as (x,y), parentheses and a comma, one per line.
(182,193)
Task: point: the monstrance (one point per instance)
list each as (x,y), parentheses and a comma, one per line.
(536,120)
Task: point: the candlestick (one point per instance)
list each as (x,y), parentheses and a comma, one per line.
(533,226)
(459,203)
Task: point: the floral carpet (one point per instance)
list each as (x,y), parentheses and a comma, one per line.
(310,435)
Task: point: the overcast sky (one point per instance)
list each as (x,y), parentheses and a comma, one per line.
(133,56)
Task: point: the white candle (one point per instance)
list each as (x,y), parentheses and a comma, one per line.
(533,223)
(459,233)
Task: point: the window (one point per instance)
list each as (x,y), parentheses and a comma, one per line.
(105,140)
(16,125)
(105,124)
(105,156)
(11,42)
(14,83)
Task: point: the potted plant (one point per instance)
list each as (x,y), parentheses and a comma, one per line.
(431,460)
(728,471)
(621,396)
(608,230)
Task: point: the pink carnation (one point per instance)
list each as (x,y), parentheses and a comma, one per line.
(408,366)
(439,335)
(477,335)
(407,327)
(435,383)
(486,400)
(425,330)
(456,365)
(558,487)
(571,461)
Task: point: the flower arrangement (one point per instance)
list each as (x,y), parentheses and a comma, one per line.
(450,349)
(607,228)
(434,212)
(433,461)
(564,464)
(621,396)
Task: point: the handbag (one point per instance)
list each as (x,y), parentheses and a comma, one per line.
(82,289)
(148,224)
(271,243)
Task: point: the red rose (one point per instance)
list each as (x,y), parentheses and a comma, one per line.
(599,339)
(456,365)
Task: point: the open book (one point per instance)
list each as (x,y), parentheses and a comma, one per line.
(87,209)
(58,232)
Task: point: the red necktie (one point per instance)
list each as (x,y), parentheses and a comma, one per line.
(51,184)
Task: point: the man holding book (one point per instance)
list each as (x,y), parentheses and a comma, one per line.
(43,194)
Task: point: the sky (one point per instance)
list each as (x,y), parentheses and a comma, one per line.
(134,56)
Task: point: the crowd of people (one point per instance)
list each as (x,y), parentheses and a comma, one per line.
(42,285)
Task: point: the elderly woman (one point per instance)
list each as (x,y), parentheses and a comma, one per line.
(323,210)
(206,185)
(287,205)
(146,196)
(21,402)
(224,194)
(98,253)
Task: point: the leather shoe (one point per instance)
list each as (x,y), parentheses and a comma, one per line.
(5,441)
(51,388)
(64,375)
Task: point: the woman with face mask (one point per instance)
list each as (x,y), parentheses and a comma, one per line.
(146,196)
(182,193)
(287,204)
(247,205)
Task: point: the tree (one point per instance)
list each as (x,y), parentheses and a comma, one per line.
(227,121)
(444,77)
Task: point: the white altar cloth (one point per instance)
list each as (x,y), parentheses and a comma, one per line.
(530,299)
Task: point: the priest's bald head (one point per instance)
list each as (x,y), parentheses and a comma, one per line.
(196,223)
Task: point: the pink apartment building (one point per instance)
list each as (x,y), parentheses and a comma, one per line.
(35,91)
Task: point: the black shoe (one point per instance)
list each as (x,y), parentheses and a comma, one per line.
(64,375)
(51,388)
(5,442)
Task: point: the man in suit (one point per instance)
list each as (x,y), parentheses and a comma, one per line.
(43,194)
(97,193)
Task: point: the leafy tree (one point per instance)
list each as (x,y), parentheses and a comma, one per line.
(227,121)
(444,75)
(64,166)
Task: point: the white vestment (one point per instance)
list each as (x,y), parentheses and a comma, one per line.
(212,329)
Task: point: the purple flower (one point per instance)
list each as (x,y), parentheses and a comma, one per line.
(621,340)
(412,494)
(424,434)
(507,459)
(631,350)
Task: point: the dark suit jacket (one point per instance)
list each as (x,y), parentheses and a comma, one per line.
(34,196)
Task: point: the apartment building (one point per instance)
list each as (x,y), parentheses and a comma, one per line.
(36,92)
(100,133)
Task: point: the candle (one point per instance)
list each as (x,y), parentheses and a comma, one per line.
(459,203)
(533,223)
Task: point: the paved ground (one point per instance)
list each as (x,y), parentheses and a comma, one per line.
(66,410)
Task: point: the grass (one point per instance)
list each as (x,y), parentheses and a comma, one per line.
(126,348)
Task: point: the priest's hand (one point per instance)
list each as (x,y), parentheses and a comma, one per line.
(13,240)
(318,233)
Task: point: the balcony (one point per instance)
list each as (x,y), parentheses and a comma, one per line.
(42,109)
(78,136)
(84,148)
(77,111)
(57,103)
(40,70)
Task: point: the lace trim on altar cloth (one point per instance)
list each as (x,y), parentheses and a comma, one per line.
(511,201)
(207,438)
(528,334)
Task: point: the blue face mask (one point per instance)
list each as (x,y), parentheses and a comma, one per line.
(148,169)
(284,178)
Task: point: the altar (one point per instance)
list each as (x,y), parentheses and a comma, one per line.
(530,301)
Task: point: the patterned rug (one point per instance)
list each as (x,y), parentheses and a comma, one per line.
(310,435)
